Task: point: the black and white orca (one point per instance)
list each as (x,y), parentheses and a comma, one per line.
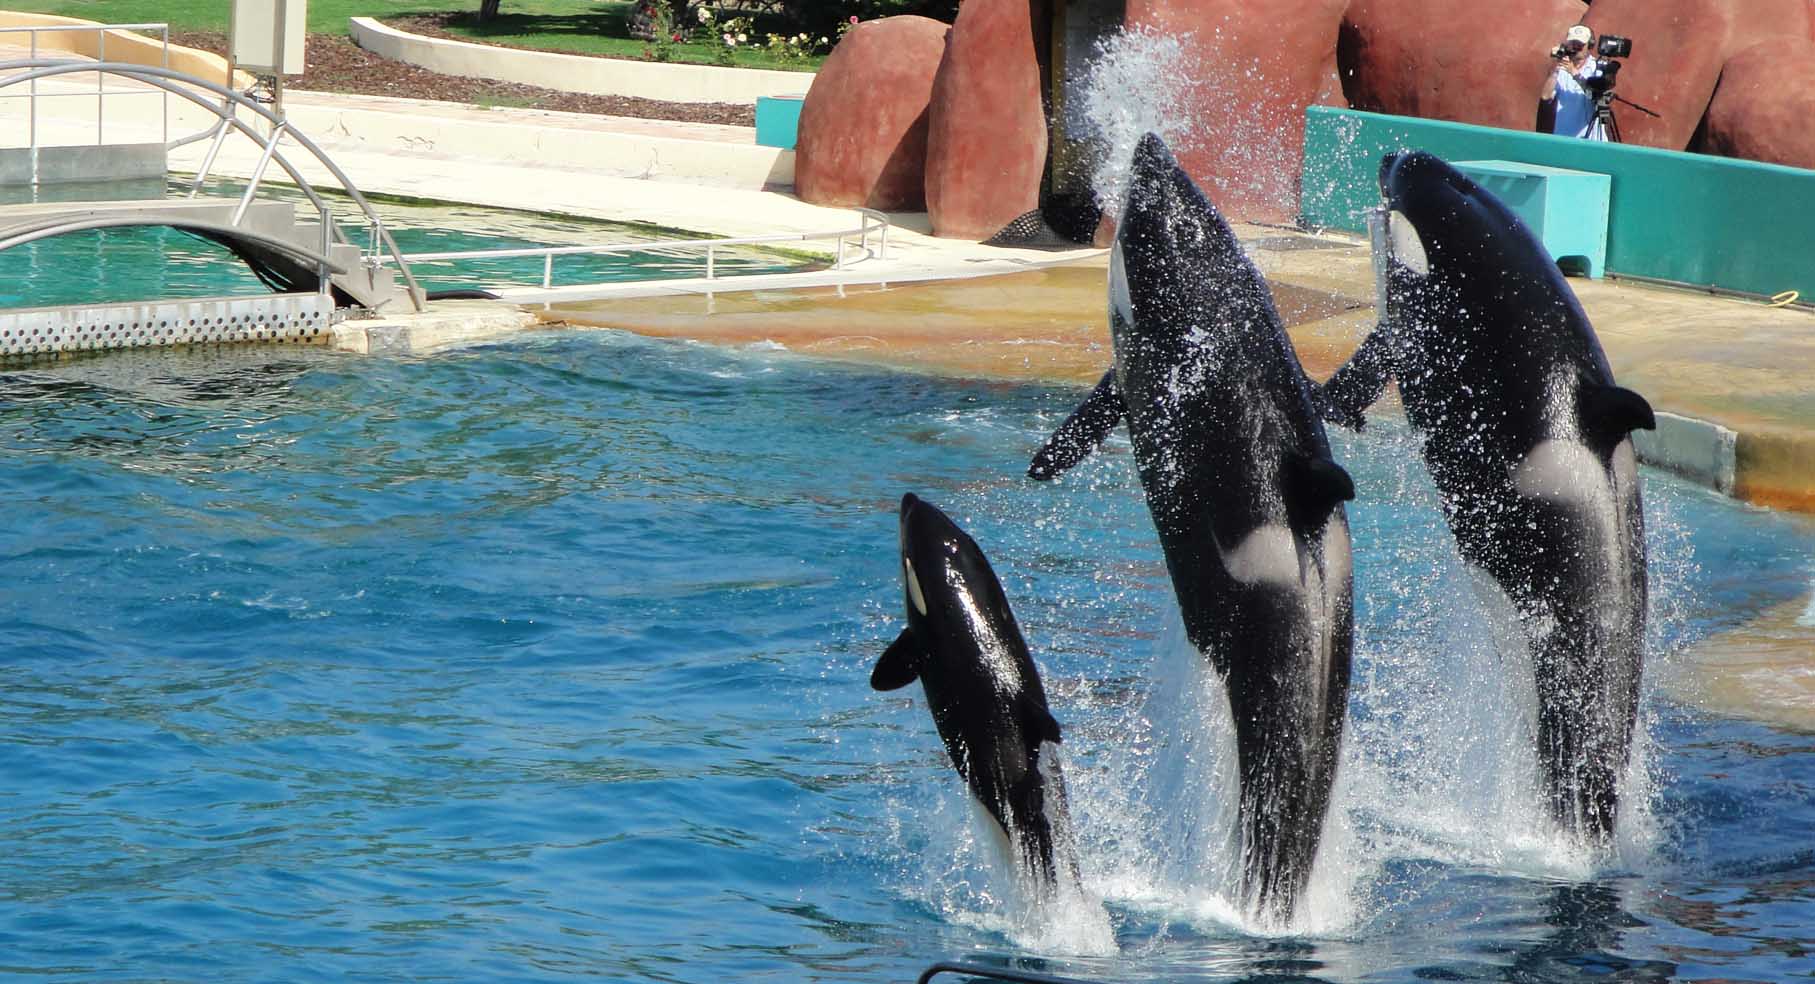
(1246,499)
(1527,440)
(963,645)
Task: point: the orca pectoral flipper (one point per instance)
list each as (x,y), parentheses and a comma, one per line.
(1357,384)
(900,663)
(1609,413)
(1088,426)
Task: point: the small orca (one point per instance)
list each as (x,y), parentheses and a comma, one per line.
(1246,499)
(962,643)
(1526,438)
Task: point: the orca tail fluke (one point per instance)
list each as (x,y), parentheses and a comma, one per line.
(1355,386)
(1088,426)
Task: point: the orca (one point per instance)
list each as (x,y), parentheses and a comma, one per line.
(1526,437)
(1246,499)
(963,645)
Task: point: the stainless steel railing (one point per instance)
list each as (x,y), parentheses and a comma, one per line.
(872,223)
(100,92)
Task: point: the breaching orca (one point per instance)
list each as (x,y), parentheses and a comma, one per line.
(962,642)
(1526,438)
(1245,497)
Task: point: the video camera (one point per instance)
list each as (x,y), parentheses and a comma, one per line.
(1610,46)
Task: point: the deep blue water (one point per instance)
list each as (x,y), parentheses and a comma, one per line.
(549,660)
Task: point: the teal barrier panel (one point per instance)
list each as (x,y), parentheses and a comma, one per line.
(1688,218)
(778,120)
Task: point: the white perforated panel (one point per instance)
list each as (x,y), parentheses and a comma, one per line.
(293,318)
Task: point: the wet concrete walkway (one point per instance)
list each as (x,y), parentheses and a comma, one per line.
(1740,365)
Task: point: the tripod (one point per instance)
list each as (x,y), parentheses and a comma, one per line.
(1603,112)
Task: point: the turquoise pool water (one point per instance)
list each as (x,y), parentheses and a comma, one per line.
(157,263)
(549,661)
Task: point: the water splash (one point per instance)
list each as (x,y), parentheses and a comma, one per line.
(1137,83)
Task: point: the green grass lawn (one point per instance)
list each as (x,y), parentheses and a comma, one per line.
(589,27)
(592,27)
(325,16)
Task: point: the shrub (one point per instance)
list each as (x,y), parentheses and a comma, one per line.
(819,18)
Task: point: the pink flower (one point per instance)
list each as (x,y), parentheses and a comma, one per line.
(853,18)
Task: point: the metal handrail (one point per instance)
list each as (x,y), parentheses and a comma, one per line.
(872,221)
(182,84)
(19,236)
(101,91)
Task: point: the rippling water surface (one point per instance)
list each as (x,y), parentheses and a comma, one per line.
(550,661)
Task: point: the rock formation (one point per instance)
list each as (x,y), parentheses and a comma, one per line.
(1427,58)
(986,141)
(1255,67)
(863,127)
(1762,108)
(1678,50)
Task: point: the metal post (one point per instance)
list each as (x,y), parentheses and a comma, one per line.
(709,254)
(548,270)
(101,90)
(33,114)
(258,173)
(221,130)
(164,98)
(327,249)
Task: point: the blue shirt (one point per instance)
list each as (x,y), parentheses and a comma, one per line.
(1575,107)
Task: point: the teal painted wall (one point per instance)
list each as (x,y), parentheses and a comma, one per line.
(1688,218)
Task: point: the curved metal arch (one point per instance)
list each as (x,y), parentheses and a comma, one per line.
(182,84)
(59,227)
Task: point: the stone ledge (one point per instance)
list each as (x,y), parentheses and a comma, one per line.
(578,73)
(1699,450)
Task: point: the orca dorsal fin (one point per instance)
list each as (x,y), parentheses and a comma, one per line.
(1612,412)
(900,663)
(1357,383)
(1088,426)
(1315,484)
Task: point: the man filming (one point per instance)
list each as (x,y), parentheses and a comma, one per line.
(1565,106)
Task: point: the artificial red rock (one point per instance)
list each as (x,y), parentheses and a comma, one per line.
(1255,68)
(863,126)
(1678,50)
(1762,107)
(1439,59)
(986,139)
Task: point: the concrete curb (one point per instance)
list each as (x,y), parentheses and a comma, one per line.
(1699,450)
(578,73)
(442,325)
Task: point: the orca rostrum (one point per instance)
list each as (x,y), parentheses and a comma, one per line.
(1246,499)
(1527,439)
(963,645)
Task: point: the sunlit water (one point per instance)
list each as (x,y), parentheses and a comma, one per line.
(550,661)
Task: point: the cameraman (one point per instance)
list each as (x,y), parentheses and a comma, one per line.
(1565,106)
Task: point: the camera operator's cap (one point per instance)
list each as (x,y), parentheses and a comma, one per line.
(1581,33)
